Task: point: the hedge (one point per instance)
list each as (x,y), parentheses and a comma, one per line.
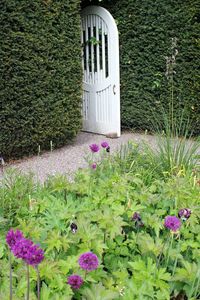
(40,75)
(146,28)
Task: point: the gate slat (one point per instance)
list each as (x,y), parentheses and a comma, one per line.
(97,37)
(87,50)
(103,50)
(92,48)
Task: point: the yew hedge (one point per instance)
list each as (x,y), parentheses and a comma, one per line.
(41,76)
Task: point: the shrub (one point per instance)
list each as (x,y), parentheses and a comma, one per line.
(41,75)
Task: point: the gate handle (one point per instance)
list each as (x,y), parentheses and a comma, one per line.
(114,91)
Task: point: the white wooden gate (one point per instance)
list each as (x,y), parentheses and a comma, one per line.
(101,89)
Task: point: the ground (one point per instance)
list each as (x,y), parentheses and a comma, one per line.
(69,158)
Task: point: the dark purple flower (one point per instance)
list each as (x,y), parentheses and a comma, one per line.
(88,261)
(28,251)
(94,147)
(73,227)
(12,237)
(137,219)
(94,166)
(184,213)
(172,223)
(104,145)
(108,149)
(75,281)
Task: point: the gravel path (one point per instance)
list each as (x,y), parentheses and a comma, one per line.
(68,159)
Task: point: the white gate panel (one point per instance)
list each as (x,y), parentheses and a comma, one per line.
(101,95)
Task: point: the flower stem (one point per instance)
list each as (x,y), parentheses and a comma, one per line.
(170,246)
(28,283)
(136,240)
(176,260)
(172,104)
(10,275)
(163,247)
(104,237)
(85,274)
(38,282)
(197,286)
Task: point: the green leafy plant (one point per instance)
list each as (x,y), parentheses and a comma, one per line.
(117,212)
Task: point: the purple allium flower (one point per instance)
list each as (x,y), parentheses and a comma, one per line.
(36,256)
(12,237)
(28,251)
(73,227)
(184,213)
(88,261)
(75,281)
(104,145)
(21,248)
(172,223)
(94,166)
(94,147)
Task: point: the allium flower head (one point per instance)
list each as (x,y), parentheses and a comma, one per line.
(21,248)
(94,148)
(94,166)
(104,145)
(172,223)
(35,256)
(88,261)
(184,213)
(12,237)
(28,251)
(75,281)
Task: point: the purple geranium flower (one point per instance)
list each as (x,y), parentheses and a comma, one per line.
(172,223)
(12,237)
(94,166)
(75,281)
(184,213)
(104,145)
(88,261)
(94,148)
(137,219)
(28,251)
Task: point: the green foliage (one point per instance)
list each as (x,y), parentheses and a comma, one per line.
(144,262)
(41,75)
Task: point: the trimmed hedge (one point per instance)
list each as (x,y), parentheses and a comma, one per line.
(41,72)
(40,75)
(146,28)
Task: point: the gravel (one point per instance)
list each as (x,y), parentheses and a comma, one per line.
(69,158)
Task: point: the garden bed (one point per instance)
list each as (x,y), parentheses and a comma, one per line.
(139,224)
